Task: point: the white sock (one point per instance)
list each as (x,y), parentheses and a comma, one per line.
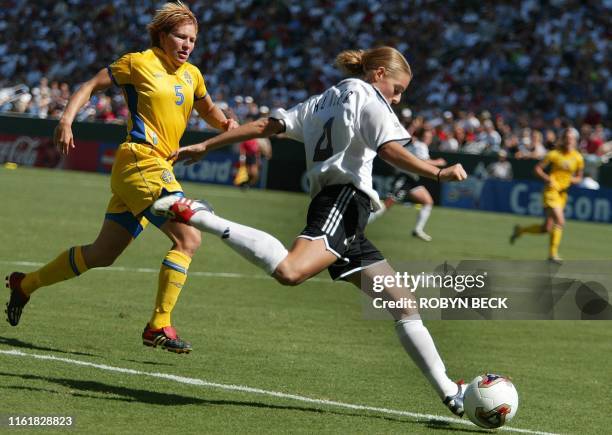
(420,346)
(258,247)
(422,217)
(377,214)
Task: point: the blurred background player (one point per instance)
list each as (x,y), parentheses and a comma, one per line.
(161,88)
(408,186)
(343,130)
(566,168)
(251,151)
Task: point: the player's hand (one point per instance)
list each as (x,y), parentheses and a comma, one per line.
(230,124)
(63,138)
(190,154)
(552,184)
(453,173)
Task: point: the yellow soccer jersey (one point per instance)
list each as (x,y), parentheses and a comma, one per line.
(160,98)
(562,167)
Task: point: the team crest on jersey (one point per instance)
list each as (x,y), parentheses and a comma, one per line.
(187,78)
(167,176)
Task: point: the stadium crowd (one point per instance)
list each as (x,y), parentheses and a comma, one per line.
(489,76)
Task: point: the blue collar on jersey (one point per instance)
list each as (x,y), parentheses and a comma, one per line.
(383,99)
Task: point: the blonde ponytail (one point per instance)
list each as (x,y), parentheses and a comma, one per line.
(360,63)
(350,62)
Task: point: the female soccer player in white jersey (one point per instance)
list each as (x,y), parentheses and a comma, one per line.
(343,130)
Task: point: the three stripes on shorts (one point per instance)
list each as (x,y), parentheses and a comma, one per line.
(337,211)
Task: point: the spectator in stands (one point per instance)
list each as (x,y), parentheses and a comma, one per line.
(550,139)
(538,150)
(501,169)
(104,109)
(450,144)
(490,137)
(41,99)
(511,144)
(592,139)
(531,145)
(558,65)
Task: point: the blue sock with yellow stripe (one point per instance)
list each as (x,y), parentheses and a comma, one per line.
(172,277)
(67,265)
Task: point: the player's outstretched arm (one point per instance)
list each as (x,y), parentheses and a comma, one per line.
(263,127)
(214,116)
(62,137)
(395,154)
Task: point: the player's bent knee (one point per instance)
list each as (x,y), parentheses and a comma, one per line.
(189,242)
(95,258)
(288,279)
(289,276)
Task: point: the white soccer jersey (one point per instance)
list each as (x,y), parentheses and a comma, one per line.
(342,130)
(421,152)
(419,149)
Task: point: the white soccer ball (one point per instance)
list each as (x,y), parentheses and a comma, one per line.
(490,401)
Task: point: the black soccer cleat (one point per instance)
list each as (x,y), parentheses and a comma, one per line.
(455,402)
(166,338)
(18,299)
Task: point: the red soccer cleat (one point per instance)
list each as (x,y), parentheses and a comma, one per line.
(166,338)
(179,208)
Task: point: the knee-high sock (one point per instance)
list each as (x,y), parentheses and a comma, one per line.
(258,247)
(417,342)
(172,277)
(422,217)
(67,265)
(555,240)
(532,229)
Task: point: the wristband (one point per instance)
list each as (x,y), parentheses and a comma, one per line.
(440,170)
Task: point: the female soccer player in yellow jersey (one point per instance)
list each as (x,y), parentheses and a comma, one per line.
(160,88)
(566,166)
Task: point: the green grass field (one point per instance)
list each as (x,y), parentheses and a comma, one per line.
(310,341)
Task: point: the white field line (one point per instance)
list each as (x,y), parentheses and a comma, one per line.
(245,389)
(156,271)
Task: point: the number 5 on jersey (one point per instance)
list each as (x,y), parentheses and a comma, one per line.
(179,94)
(324,149)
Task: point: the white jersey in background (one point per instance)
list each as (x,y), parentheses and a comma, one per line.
(342,130)
(419,149)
